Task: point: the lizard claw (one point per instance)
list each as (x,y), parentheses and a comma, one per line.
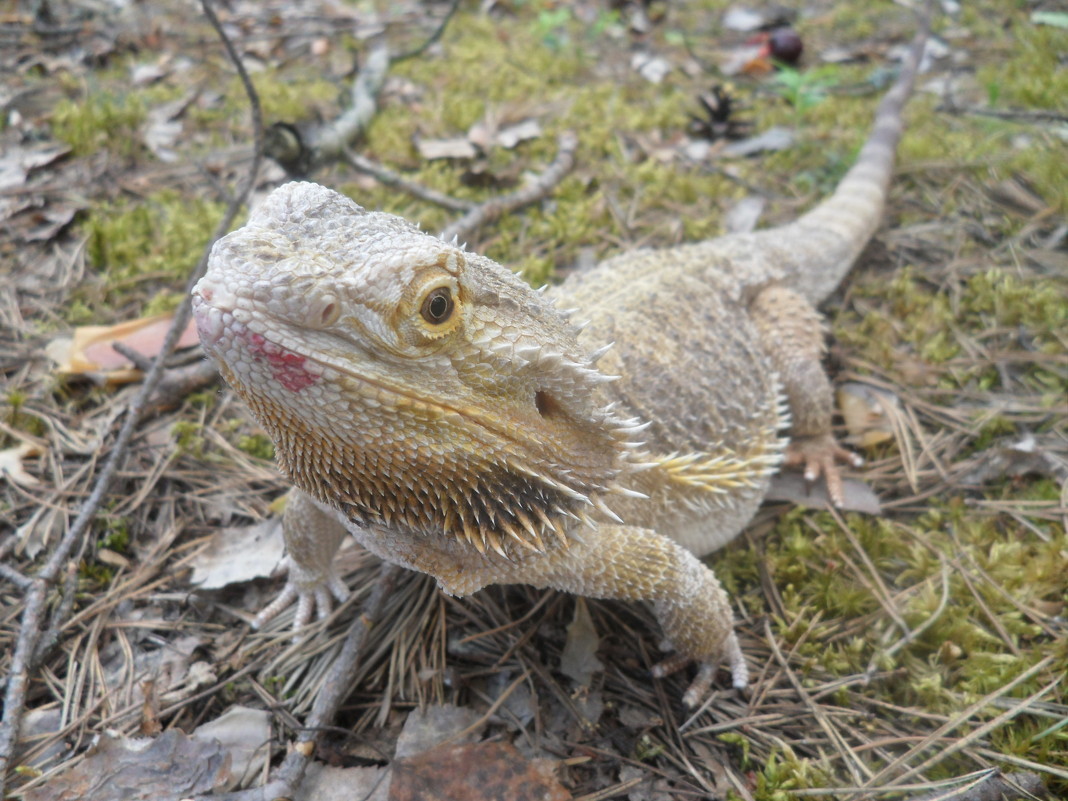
(820,455)
(313,592)
(706,672)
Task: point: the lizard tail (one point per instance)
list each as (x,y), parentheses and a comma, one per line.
(840,226)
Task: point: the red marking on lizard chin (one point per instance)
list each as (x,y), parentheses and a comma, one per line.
(287,366)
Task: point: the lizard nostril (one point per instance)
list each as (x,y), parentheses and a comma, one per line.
(329,314)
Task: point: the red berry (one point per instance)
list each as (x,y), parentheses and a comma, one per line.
(785,45)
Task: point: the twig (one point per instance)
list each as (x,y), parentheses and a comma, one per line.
(331,141)
(300,153)
(418,51)
(179,382)
(384,175)
(334,691)
(30,627)
(1026,115)
(537,189)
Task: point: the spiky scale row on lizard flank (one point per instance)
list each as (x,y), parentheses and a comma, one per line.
(455,422)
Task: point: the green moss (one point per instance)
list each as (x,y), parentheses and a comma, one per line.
(20,420)
(785,772)
(257,445)
(292,99)
(957,654)
(101,120)
(994,307)
(151,244)
(993,429)
(189,438)
(116,537)
(1029,74)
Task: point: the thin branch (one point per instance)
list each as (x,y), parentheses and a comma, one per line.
(498,206)
(330,141)
(334,691)
(31,624)
(418,51)
(1022,115)
(384,175)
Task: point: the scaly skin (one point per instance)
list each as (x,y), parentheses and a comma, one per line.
(451,418)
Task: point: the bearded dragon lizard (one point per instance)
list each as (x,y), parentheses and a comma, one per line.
(426,400)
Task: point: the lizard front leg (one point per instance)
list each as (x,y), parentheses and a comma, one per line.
(312,538)
(628,563)
(791,333)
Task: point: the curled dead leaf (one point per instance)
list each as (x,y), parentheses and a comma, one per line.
(866,411)
(89,352)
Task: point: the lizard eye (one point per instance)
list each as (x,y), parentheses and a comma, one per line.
(437,306)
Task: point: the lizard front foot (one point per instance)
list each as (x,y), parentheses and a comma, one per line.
(820,455)
(313,590)
(312,538)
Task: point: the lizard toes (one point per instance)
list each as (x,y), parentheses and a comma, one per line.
(820,456)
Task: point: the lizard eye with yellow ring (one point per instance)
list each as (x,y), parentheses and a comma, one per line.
(437,306)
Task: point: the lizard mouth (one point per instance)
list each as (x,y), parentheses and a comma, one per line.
(210,321)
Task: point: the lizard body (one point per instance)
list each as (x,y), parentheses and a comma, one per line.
(430,403)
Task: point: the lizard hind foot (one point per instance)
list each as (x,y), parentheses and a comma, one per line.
(706,672)
(820,456)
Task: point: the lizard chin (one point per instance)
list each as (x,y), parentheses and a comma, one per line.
(454,479)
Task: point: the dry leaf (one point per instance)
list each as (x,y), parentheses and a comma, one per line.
(89,352)
(327,783)
(425,729)
(579,660)
(20,160)
(245,734)
(739,18)
(483,772)
(167,768)
(162,127)
(240,553)
(520,132)
(867,413)
(742,217)
(775,138)
(1025,457)
(456,148)
(11,464)
(653,68)
(791,486)
(747,59)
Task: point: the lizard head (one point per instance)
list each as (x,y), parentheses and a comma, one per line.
(404,380)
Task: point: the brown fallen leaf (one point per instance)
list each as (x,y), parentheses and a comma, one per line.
(245,734)
(89,352)
(117,768)
(579,660)
(791,486)
(482,772)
